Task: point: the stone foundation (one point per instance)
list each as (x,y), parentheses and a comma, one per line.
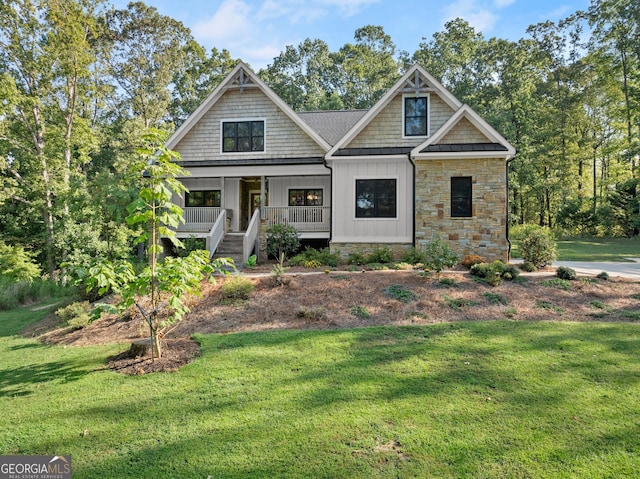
(345,249)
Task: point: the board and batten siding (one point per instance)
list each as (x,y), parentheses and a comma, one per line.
(283,138)
(230,200)
(386,129)
(349,229)
(279,188)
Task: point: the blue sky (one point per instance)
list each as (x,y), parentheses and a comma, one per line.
(258,30)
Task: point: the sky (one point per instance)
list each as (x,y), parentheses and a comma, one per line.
(257,31)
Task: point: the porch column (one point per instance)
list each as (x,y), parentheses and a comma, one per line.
(262,196)
(222,192)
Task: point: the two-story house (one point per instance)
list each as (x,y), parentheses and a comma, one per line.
(417,165)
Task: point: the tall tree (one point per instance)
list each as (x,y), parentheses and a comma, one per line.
(148,52)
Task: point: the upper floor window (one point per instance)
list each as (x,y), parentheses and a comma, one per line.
(376,198)
(203,198)
(416,116)
(242,136)
(461,197)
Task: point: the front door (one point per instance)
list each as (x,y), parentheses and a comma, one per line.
(254,202)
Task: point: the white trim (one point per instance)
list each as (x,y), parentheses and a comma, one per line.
(435,86)
(376,158)
(465,111)
(376,218)
(372,240)
(404,117)
(321,188)
(226,84)
(240,120)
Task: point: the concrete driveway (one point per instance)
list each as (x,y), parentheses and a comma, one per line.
(625,270)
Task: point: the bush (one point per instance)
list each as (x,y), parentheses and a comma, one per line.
(603,276)
(494,273)
(412,256)
(382,254)
(237,288)
(400,293)
(76,314)
(282,240)
(469,260)
(564,272)
(320,257)
(528,267)
(438,255)
(356,258)
(538,247)
(16,264)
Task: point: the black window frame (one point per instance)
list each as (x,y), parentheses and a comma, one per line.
(408,116)
(198,198)
(461,196)
(243,136)
(377,189)
(304,194)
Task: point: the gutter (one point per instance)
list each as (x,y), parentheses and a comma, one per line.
(324,159)
(507,206)
(413,216)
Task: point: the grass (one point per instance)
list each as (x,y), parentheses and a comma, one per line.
(487,399)
(594,249)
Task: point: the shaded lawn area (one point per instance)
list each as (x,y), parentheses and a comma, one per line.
(467,399)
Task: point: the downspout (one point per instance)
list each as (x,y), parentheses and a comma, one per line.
(324,159)
(413,215)
(507,206)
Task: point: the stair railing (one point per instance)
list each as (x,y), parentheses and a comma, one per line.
(216,234)
(250,239)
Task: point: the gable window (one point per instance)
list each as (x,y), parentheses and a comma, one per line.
(203,198)
(241,136)
(416,116)
(311,197)
(376,198)
(461,204)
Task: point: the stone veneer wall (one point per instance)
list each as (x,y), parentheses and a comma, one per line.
(484,233)
(345,249)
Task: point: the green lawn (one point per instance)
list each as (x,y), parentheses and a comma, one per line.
(478,400)
(593,249)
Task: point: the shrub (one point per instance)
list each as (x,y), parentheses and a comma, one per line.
(76,314)
(360,312)
(469,260)
(314,263)
(557,283)
(494,273)
(538,247)
(314,314)
(237,288)
(282,240)
(412,256)
(564,272)
(439,255)
(495,298)
(403,266)
(603,276)
(356,258)
(448,282)
(528,267)
(510,272)
(318,257)
(381,254)
(16,264)
(400,293)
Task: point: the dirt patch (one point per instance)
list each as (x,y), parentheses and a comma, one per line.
(175,354)
(359,299)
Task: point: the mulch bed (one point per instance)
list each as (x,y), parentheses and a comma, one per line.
(175,354)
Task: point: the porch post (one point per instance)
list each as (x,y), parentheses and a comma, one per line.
(262,196)
(222,202)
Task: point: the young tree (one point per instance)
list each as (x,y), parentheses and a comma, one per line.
(170,279)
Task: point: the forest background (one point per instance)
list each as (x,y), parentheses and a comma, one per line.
(80,82)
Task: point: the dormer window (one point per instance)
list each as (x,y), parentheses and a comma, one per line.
(242,136)
(416,115)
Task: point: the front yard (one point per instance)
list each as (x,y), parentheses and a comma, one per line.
(477,399)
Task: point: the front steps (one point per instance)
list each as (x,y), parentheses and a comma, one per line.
(231,247)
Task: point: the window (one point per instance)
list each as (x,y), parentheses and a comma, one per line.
(305,197)
(239,136)
(376,198)
(203,198)
(461,197)
(416,121)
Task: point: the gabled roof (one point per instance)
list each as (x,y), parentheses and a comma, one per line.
(496,144)
(415,78)
(242,77)
(332,125)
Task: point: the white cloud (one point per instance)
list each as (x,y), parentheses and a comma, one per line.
(480,17)
(232,17)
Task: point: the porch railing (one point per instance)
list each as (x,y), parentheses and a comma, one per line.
(302,218)
(199,218)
